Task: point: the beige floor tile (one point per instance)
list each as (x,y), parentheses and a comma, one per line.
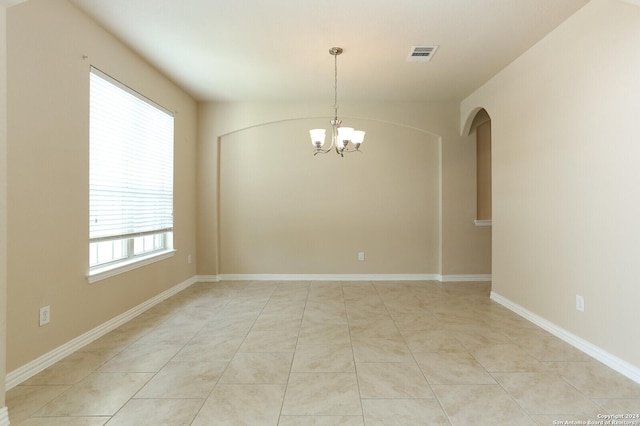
(318,394)
(409,305)
(455,368)
(545,347)
(381,327)
(507,322)
(208,349)
(236,405)
(320,353)
(392,380)
(270,341)
(65,421)
(113,342)
(141,358)
(324,334)
(620,405)
(100,394)
(403,412)
(225,327)
(368,303)
(239,313)
(545,393)
(160,412)
(191,315)
(321,421)
(320,317)
(323,359)
(432,341)
(326,294)
(258,368)
(170,334)
(316,303)
(69,370)
(358,293)
(480,405)
(506,357)
(291,289)
(596,380)
(381,350)
(424,321)
(367,319)
(523,332)
(471,337)
(460,316)
(183,380)
(23,401)
(284,306)
(278,321)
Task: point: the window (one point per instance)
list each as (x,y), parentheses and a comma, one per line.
(130,178)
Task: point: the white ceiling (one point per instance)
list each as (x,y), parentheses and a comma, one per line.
(266,50)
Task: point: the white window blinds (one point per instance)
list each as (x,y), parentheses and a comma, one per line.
(131,162)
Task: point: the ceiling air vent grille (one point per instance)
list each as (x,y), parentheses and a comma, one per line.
(421,53)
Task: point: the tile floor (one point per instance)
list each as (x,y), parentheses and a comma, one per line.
(324,353)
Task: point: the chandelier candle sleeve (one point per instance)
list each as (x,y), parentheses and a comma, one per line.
(341,137)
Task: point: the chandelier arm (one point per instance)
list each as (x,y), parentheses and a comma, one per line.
(349,151)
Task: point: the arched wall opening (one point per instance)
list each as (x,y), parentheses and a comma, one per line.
(284,211)
(481,125)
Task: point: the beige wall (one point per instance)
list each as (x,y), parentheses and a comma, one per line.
(3,202)
(566,199)
(483,172)
(284,211)
(48,101)
(408,201)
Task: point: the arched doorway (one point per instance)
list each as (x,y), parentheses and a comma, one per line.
(481,125)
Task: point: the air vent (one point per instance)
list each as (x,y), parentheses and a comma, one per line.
(421,53)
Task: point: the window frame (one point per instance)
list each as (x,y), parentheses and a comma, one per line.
(131,260)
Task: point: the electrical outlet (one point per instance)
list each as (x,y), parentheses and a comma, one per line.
(579,303)
(361,255)
(45,315)
(189,259)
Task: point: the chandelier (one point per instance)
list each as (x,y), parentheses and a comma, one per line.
(343,139)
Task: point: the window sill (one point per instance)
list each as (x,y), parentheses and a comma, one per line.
(113,270)
(483,222)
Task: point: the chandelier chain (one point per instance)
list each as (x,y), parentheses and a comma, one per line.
(335,86)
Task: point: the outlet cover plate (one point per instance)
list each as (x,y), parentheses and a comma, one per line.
(579,303)
(45,315)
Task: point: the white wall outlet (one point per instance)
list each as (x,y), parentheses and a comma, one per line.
(361,255)
(579,303)
(45,315)
(189,259)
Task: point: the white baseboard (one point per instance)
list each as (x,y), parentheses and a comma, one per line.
(4,416)
(619,365)
(328,277)
(32,368)
(465,278)
(345,277)
(208,278)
